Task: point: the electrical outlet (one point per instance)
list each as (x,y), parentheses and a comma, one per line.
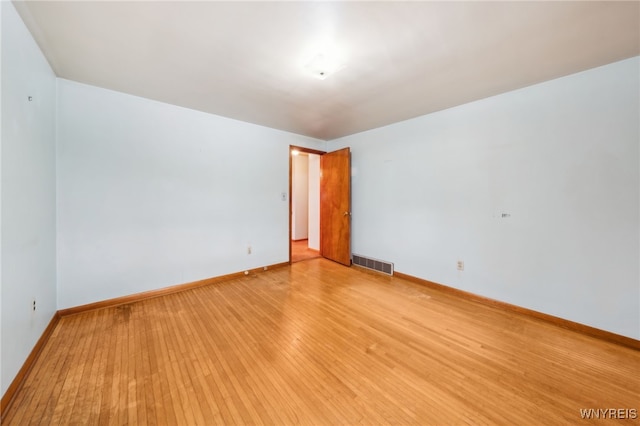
(33,304)
(248,249)
(460,265)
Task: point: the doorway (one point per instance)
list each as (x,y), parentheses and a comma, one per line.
(305,204)
(331,181)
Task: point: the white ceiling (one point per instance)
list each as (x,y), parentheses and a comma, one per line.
(245,60)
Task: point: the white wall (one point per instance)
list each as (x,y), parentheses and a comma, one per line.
(560,157)
(2,386)
(300,197)
(314,202)
(152,195)
(28,200)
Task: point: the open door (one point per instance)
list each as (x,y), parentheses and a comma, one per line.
(335,206)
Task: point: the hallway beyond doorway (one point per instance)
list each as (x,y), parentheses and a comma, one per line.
(300,251)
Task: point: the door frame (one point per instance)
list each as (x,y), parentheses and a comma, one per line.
(291,149)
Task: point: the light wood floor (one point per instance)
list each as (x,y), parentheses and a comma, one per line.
(318,343)
(300,251)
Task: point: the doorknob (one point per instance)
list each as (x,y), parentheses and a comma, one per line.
(347,214)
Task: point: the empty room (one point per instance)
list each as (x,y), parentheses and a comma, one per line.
(320,213)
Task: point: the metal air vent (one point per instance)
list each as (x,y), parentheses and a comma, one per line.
(373,264)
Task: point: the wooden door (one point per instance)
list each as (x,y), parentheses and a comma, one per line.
(335,206)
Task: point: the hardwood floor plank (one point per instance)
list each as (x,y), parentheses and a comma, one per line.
(318,343)
(159,326)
